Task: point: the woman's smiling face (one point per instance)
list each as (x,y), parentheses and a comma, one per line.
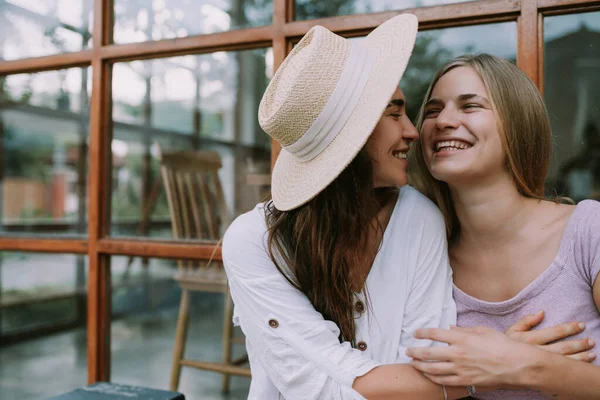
(460,137)
(389,144)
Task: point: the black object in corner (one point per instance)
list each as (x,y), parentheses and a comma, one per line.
(113,391)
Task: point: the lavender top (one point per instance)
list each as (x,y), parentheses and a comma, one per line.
(563,291)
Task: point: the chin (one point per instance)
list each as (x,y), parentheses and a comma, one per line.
(445,174)
(401,182)
(391,182)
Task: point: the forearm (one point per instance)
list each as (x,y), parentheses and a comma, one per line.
(560,377)
(401,381)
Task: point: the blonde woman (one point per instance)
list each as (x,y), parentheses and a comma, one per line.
(331,278)
(484,155)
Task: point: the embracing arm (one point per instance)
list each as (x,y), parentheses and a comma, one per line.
(561,377)
(402,381)
(482,356)
(295,346)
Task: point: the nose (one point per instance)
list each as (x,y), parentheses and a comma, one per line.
(446,119)
(409,132)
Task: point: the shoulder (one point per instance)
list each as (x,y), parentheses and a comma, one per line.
(582,238)
(246,234)
(585,220)
(589,220)
(419,211)
(591,209)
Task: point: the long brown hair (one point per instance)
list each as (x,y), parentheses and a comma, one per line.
(321,246)
(523,124)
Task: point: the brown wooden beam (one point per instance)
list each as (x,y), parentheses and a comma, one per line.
(98,310)
(527,46)
(223,41)
(283,13)
(290,10)
(445,16)
(556,7)
(39,64)
(103,23)
(55,245)
(159,249)
(41,230)
(540,50)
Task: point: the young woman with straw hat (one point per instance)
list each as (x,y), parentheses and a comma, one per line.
(485,152)
(332,276)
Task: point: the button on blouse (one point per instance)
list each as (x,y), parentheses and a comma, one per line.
(294,352)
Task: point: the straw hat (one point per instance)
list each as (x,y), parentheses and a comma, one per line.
(325,100)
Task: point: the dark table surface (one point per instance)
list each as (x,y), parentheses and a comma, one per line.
(114,391)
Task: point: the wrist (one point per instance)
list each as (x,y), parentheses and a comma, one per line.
(533,369)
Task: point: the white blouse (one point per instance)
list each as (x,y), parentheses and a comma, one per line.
(294,353)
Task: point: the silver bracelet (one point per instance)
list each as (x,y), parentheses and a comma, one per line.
(471,390)
(445,392)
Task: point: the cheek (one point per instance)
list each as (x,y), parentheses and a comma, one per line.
(371,148)
(426,140)
(499,152)
(493,138)
(376,143)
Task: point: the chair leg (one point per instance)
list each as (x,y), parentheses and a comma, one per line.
(227,336)
(180,338)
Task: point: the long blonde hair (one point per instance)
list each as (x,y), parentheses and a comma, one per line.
(523,124)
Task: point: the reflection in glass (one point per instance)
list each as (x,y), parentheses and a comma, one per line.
(206,103)
(145,303)
(571,82)
(310,9)
(42,296)
(33,28)
(44,131)
(435,48)
(145,20)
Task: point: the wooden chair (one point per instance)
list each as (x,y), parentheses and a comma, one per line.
(198,211)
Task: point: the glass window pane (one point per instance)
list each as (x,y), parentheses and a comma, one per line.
(204,104)
(44,120)
(310,9)
(571,82)
(145,304)
(434,48)
(34,28)
(146,20)
(42,324)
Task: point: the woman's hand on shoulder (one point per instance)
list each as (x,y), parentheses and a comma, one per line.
(547,338)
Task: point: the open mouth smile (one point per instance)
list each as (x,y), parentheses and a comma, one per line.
(447,146)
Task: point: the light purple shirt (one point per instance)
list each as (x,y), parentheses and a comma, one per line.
(563,291)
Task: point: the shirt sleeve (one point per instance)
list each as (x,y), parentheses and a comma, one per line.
(298,349)
(587,241)
(430,303)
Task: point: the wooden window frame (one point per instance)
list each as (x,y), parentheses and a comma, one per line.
(99,246)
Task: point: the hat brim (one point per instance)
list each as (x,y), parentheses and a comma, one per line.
(294,183)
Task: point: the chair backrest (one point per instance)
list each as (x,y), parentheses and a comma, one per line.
(194,194)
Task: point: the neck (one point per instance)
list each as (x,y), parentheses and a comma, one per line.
(490,213)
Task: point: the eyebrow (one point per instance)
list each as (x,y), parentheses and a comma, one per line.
(397,102)
(469,96)
(463,97)
(434,102)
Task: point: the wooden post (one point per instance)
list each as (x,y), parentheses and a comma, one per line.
(99,294)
